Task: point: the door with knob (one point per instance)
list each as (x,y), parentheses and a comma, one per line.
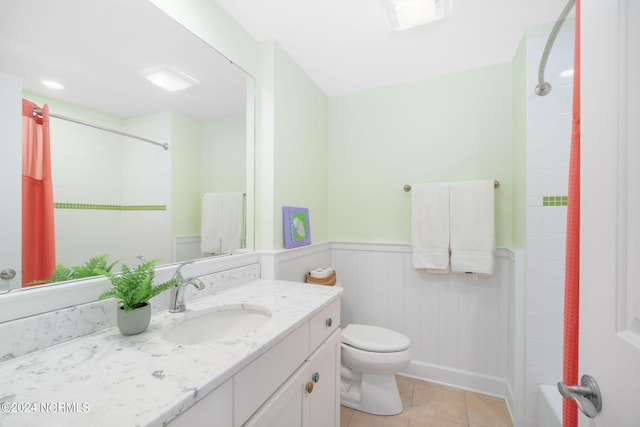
(586,395)
(610,208)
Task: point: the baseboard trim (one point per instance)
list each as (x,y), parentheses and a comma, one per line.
(465,380)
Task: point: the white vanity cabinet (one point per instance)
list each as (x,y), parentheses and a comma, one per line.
(324,399)
(309,398)
(324,364)
(310,395)
(293,384)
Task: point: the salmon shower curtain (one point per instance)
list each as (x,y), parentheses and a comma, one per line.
(572,269)
(38,238)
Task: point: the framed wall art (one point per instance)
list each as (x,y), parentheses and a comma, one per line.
(297,231)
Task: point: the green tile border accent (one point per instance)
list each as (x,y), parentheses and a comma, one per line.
(144,208)
(555,200)
(96,207)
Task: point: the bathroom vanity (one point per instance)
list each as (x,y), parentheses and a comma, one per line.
(284,373)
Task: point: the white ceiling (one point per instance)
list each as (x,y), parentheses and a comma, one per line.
(345,47)
(97,49)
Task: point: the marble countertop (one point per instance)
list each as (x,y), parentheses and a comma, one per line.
(107,378)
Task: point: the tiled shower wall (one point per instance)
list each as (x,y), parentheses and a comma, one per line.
(549,139)
(110,191)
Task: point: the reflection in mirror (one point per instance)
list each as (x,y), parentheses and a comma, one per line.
(114,195)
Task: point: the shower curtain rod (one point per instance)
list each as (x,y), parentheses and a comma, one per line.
(543,88)
(165,145)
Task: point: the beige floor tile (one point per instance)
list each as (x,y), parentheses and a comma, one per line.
(432,405)
(486,411)
(362,419)
(345,416)
(430,400)
(405,387)
(418,420)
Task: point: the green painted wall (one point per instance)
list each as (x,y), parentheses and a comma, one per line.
(185,175)
(222,159)
(519,102)
(300,150)
(449,128)
(205,156)
(347,158)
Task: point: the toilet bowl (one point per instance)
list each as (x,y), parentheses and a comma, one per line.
(371,356)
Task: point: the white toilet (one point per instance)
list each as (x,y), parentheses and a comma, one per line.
(371,356)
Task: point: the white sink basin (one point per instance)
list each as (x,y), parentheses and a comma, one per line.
(217,324)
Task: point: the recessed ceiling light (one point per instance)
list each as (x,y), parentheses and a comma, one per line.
(52,85)
(168,78)
(405,14)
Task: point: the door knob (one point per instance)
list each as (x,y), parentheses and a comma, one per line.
(7,274)
(586,395)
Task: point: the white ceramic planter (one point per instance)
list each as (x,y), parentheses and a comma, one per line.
(134,321)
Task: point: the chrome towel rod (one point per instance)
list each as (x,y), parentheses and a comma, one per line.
(496,184)
(165,145)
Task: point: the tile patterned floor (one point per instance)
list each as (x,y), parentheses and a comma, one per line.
(432,405)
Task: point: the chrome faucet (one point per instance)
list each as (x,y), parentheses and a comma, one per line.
(176,303)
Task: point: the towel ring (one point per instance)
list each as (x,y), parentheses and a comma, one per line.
(407,187)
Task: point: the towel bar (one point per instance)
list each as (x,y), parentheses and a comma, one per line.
(496,184)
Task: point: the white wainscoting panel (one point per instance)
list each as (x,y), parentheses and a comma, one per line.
(462,327)
(454,320)
(293,264)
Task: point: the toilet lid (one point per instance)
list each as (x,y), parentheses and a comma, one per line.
(374,338)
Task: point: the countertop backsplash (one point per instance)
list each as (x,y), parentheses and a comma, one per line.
(22,336)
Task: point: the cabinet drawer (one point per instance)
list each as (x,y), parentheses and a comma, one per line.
(323,324)
(254,384)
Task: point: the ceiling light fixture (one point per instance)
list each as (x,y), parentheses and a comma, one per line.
(52,85)
(168,78)
(405,14)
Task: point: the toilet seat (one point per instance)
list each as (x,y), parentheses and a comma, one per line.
(374,339)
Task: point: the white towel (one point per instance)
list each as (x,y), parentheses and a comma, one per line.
(430,226)
(222,222)
(473,239)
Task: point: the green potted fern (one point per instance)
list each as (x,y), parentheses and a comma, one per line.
(133,288)
(96,266)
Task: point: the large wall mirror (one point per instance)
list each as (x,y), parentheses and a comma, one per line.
(116,195)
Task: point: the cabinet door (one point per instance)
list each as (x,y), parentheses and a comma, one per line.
(323,404)
(254,385)
(286,407)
